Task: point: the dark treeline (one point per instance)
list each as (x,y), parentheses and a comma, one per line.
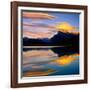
(61,39)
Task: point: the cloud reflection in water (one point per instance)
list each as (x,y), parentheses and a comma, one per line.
(45,62)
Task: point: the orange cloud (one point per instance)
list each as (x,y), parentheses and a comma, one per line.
(38,31)
(39,53)
(38,56)
(43,25)
(38,73)
(35,15)
(65,60)
(66,28)
(37,35)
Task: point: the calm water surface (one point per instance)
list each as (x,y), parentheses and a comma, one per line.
(48,61)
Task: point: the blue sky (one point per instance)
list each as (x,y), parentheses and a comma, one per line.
(71,18)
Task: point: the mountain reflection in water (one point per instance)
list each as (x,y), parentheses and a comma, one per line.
(50,61)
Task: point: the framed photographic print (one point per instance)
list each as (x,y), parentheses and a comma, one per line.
(49,44)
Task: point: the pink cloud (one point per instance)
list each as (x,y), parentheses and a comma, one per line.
(36,15)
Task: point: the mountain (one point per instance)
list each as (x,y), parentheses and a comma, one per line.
(59,39)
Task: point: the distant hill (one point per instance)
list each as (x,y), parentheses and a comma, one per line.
(59,39)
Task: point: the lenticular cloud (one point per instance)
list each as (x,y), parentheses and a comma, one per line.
(38,31)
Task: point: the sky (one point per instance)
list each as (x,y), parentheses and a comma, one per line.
(72,18)
(66,20)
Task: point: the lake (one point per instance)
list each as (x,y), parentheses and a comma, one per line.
(49,61)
